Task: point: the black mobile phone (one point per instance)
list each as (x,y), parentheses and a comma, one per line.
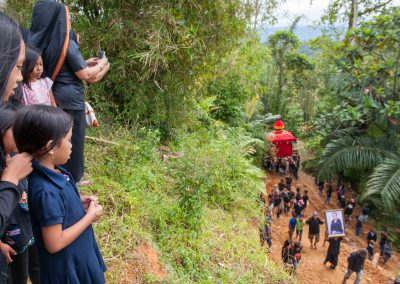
(102,54)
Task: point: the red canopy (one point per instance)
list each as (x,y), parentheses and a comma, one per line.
(282,140)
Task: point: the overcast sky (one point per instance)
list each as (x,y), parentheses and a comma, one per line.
(312,13)
(294,8)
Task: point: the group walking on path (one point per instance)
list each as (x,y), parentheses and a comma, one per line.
(299,235)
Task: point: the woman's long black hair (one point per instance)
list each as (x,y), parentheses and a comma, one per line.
(10,45)
(31,57)
(7,115)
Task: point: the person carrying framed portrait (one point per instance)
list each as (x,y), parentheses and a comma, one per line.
(335,223)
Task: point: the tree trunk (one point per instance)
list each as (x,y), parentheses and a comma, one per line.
(353,17)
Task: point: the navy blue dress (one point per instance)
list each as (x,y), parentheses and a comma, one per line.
(54,199)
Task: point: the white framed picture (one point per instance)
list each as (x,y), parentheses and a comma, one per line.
(335,223)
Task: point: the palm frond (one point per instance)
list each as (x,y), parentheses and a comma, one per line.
(384,183)
(251,106)
(352,153)
(350,131)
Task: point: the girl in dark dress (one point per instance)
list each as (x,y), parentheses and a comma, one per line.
(332,255)
(61,218)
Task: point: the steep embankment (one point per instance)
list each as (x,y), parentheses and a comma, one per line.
(187,218)
(311,269)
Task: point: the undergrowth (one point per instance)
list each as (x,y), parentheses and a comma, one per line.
(198,208)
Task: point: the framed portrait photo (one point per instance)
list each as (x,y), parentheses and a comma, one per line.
(335,223)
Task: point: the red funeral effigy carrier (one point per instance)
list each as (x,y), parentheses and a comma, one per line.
(282,140)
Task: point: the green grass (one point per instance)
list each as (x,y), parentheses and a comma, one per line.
(197,211)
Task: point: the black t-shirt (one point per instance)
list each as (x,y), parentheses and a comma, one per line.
(277,200)
(371,236)
(305,198)
(314,225)
(19,230)
(349,209)
(291,195)
(9,194)
(68,89)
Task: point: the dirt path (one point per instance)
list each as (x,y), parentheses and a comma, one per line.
(311,269)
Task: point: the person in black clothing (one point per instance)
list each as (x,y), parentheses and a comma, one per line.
(285,253)
(298,207)
(269,164)
(348,211)
(305,198)
(17,244)
(355,262)
(370,248)
(298,194)
(321,187)
(51,33)
(358,226)
(314,223)
(372,236)
(383,240)
(328,194)
(332,255)
(342,201)
(291,164)
(277,165)
(289,200)
(12,54)
(266,233)
(364,213)
(278,203)
(387,251)
(288,182)
(293,168)
(295,254)
(282,166)
(281,185)
(296,171)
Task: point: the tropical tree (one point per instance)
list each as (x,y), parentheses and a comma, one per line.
(353,11)
(369,68)
(375,161)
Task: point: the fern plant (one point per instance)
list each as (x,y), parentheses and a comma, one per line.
(378,157)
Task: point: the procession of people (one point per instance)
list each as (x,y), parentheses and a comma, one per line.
(292,200)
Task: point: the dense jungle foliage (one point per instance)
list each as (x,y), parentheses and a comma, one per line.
(194,76)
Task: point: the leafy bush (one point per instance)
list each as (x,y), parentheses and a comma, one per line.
(197,209)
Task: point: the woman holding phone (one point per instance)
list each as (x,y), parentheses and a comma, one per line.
(51,32)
